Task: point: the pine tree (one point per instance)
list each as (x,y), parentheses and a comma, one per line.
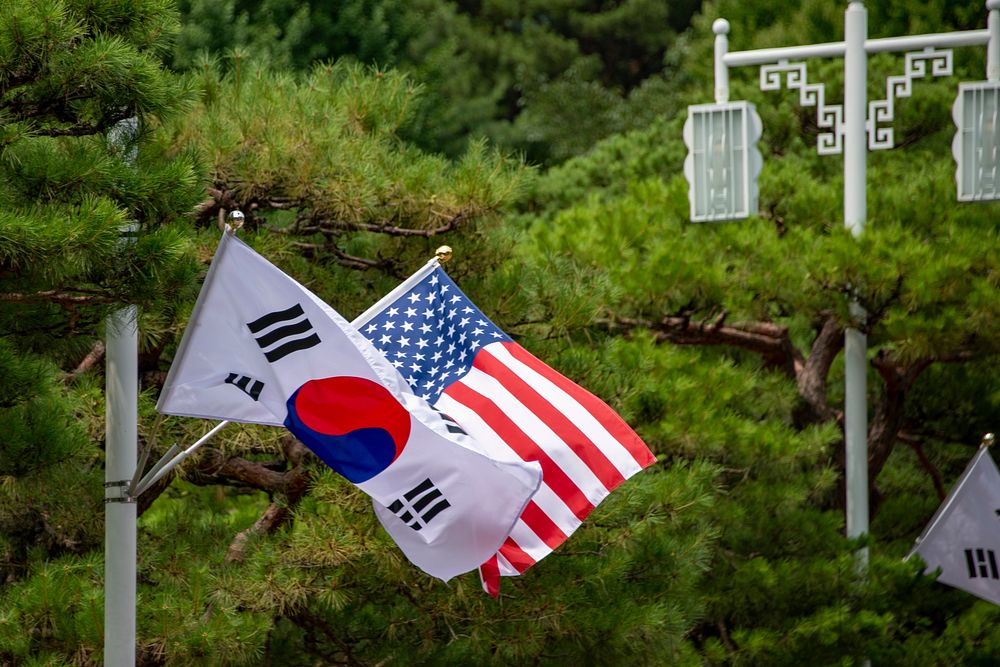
(70,72)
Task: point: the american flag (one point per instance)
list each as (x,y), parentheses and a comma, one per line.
(514,405)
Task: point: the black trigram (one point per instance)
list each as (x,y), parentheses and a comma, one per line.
(251,389)
(421,503)
(451,424)
(280,335)
(982,563)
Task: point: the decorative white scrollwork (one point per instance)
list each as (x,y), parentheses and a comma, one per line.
(829,116)
(883,111)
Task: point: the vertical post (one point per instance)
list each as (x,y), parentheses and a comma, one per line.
(993,46)
(721,29)
(121,396)
(855,213)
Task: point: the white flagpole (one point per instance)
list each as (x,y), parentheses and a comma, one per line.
(121,418)
(163,467)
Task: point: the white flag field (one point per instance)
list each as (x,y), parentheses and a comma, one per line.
(260,348)
(963,536)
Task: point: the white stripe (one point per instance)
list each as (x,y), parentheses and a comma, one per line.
(495,447)
(539,432)
(582,418)
(506,569)
(529,542)
(554,508)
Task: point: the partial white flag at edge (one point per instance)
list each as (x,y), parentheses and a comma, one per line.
(963,536)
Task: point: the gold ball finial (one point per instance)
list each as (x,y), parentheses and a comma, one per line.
(443,253)
(988,439)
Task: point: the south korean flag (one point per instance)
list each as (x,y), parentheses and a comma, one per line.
(962,540)
(261,348)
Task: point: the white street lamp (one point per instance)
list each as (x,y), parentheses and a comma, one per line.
(721,140)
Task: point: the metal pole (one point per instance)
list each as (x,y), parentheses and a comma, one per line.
(855,213)
(122,403)
(993,46)
(119,509)
(721,29)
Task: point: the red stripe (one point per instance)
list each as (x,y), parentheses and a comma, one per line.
(552,475)
(608,418)
(516,556)
(540,524)
(489,574)
(563,427)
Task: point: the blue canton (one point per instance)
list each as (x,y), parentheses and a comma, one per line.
(431,334)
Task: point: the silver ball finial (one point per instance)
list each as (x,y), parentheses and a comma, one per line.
(720,27)
(988,439)
(235,220)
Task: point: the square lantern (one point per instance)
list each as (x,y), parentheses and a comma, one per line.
(723,161)
(976,144)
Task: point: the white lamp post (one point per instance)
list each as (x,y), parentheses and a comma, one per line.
(722,173)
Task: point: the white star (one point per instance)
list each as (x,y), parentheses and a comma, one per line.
(371,328)
(430,297)
(403,342)
(474,344)
(449,363)
(482,323)
(389,324)
(477,332)
(412,380)
(422,343)
(428,313)
(414,297)
(393,312)
(425,328)
(451,331)
(445,288)
(439,340)
(436,356)
(434,279)
(385,339)
(451,348)
(455,298)
(397,363)
(410,312)
(434,371)
(462,355)
(415,367)
(401,354)
(467,310)
(461,338)
(419,357)
(407,326)
(464,321)
(497,334)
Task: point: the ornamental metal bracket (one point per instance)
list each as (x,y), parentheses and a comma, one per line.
(830,116)
(883,111)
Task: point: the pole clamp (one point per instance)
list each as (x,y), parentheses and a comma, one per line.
(123,494)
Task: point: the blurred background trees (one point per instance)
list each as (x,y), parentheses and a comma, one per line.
(543,142)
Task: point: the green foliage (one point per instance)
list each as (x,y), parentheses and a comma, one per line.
(728,551)
(547,79)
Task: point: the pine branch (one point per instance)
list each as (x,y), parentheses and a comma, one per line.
(65,299)
(918,449)
(812,373)
(765,338)
(93,357)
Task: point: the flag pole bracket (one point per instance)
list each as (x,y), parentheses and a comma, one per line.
(123,495)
